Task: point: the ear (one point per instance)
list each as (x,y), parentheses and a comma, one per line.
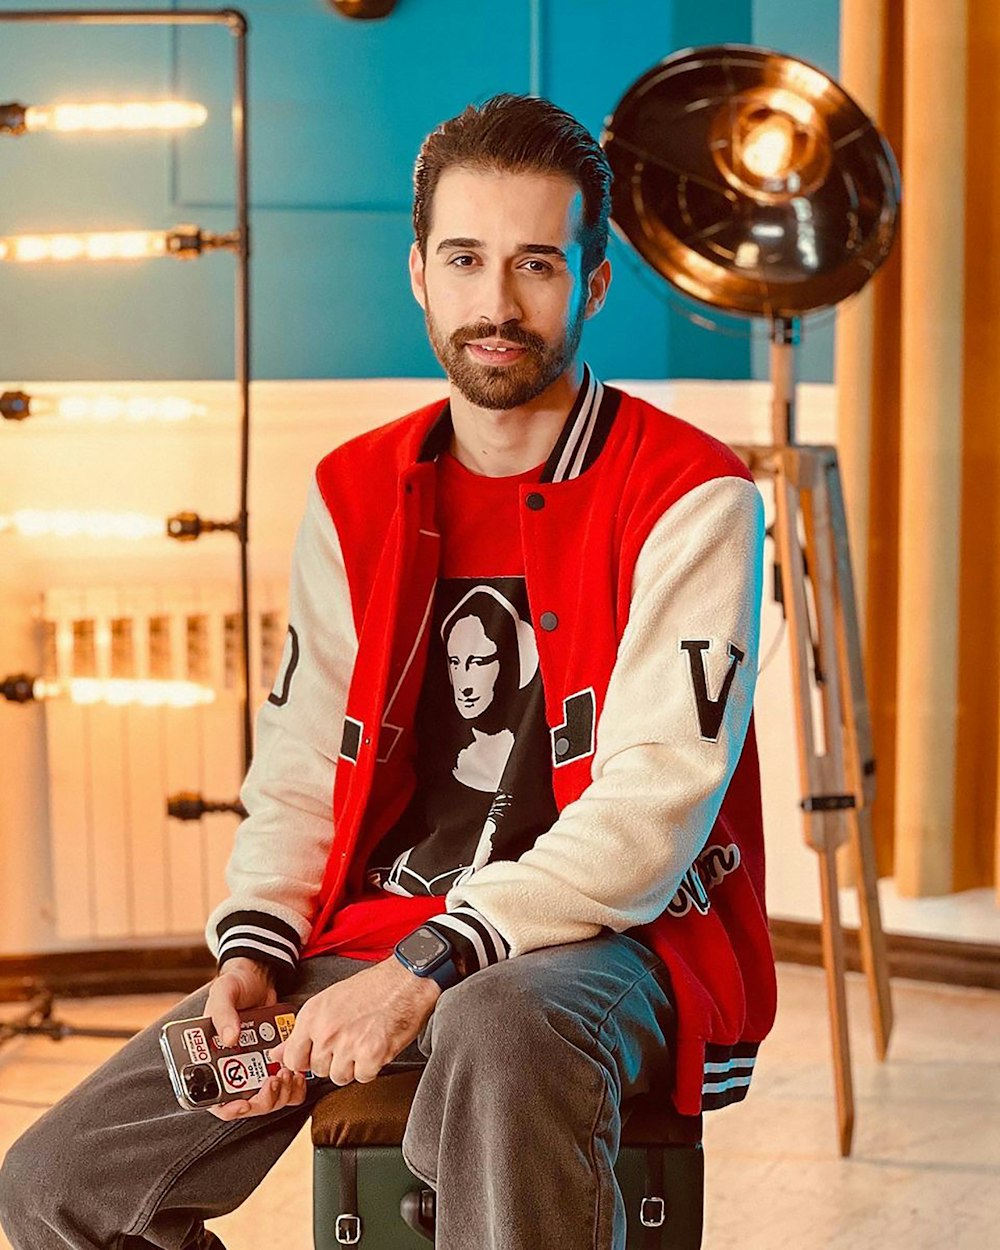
(597,288)
(417,276)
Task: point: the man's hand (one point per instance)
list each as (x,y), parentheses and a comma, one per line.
(350,1030)
(241,984)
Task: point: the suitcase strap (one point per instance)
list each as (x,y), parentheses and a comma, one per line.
(653,1208)
(347,1229)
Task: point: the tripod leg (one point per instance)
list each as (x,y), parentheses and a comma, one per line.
(836,991)
(795,486)
(861,764)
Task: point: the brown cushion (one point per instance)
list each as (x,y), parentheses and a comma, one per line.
(370,1114)
(375,1113)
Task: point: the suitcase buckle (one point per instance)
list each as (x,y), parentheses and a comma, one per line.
(348,1229)
(652,1212)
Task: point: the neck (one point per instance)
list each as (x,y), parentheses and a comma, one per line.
(512,440)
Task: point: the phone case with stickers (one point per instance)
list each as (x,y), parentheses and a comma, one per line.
(204,1073)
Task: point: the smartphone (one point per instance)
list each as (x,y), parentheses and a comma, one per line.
(204,1073)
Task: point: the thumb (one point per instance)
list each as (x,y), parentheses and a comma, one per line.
(277,1052)
(226,1019)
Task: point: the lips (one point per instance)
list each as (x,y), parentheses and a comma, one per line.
(495,354)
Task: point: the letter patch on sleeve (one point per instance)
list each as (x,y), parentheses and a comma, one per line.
(289,663)
(710,711)
(574,738)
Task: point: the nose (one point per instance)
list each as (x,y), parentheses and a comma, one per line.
(498,298)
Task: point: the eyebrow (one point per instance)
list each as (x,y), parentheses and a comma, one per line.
(538,249)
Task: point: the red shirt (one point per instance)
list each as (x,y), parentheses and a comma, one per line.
(480,537)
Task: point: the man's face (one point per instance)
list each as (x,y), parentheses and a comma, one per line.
(501,287)
(473,665)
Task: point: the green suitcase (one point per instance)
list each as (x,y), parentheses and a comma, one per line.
(367,1197)
(364,1194)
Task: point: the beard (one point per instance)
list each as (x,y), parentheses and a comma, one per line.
(498,388)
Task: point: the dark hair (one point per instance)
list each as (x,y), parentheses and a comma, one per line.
(513,133)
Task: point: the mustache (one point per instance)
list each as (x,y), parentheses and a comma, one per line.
(510,331)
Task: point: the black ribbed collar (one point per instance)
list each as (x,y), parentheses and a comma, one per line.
(580,441)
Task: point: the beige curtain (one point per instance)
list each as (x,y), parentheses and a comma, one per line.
(918,373)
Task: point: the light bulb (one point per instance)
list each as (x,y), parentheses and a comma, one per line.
(766,150)
(35,523)
(105,245)
(123,692)
(132,115)
(136,408)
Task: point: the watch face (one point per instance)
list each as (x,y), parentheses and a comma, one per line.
(423,948)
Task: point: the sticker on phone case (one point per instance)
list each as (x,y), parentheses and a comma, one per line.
(267,1031)
(196,1044)
(242,1073)
(284,1024)
(248,1037)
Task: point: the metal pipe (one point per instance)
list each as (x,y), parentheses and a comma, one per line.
(237,23)
(784,340)
(242,349)
(129,17)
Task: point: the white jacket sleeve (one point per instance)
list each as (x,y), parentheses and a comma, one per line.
(669,737)
(281,848)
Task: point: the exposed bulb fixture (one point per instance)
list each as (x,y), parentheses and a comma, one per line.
(111,691)
(102,116)
(37,523)
(183,242)
(100,409)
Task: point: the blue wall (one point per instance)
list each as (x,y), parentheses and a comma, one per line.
(338,112)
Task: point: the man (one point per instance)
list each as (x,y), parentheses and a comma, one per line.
(608,934)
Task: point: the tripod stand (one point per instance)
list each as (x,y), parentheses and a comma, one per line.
(37,1019)
(838,781)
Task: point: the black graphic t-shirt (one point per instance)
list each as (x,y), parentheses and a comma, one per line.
(484,782)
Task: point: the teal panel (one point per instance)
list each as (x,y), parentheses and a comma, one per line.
(341,107)
(704,344)
(338,110)
(333,297)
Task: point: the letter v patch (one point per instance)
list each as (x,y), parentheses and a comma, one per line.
(710,711)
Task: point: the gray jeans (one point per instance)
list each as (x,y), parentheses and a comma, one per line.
(515,1122)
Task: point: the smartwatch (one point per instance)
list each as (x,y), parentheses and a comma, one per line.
(428,954)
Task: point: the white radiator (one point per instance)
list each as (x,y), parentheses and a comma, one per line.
(122,868)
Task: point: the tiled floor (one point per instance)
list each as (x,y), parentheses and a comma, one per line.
(925,1170)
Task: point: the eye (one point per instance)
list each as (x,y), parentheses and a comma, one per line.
(462,257)
(542,266)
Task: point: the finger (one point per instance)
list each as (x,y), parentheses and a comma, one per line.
(276,1053)
(231,1110)
(297,1052)
(221,1007)
(294,1089)
(263,1102)
(342,1073)
(297,1093)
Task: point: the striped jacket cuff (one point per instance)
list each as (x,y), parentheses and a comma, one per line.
(256,935)
(728,1070)
(475,940)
